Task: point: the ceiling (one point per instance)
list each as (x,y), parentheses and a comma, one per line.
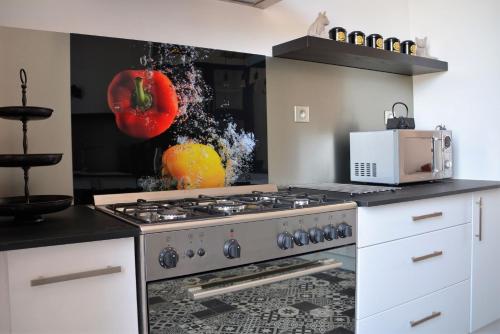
(262,4)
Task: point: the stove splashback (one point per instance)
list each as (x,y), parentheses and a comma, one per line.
(180,194)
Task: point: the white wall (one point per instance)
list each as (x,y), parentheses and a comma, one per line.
(464,33)
(204,23)
(45,56)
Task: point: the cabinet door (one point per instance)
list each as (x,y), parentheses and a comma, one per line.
(79,288)
(485,279)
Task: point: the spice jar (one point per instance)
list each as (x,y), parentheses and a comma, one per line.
(409,47)
(338,34)
(392,44)
(357,37)
(375,41)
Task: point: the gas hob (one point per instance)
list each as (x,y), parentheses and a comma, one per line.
(167,213)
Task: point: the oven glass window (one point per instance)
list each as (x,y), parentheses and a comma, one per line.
(417,155)
(312,293)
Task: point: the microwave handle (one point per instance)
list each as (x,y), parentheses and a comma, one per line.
(436,156)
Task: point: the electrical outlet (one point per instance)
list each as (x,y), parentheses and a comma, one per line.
(301,114)
(387,115)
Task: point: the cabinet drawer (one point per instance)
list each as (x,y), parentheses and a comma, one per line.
(396,272)
(395,221)
(443,312)
(79,288)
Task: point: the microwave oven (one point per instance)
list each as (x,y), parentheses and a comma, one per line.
(400,156)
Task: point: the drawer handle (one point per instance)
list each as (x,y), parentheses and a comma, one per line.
(427,216)
(425,257)
(69,277)
(427,318)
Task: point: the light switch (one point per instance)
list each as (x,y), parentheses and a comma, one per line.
(301,114)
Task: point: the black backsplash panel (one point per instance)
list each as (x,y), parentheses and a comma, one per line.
(206,107)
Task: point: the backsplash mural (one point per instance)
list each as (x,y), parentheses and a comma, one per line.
(153,116)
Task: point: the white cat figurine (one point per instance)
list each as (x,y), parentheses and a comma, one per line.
(318,27)
(423,47)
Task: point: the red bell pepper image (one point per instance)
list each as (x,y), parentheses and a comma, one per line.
(145,106)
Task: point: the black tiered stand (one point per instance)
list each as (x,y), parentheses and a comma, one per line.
(29,208)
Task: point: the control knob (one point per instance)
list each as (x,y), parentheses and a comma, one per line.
(301,237)
(232,249)
(190,253)
(447,164)
(330,232)
(285,240)
(316,235)
(169,258)
(344,230)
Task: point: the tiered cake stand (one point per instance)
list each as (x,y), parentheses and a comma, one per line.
(29,208)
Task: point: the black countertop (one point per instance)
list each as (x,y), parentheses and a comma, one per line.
(73,225)
(417,191)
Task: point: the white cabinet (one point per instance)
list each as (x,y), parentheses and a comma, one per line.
(485,279)
(77,288)
(413,262)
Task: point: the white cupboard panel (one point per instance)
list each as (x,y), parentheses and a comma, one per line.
(396,272)
(395,221)
(443,312)
(485,280)
(100,304)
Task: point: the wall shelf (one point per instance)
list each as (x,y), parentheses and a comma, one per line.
(326,51)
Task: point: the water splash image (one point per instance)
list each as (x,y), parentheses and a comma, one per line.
(193,123)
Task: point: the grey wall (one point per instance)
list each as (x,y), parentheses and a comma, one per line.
(340,99)
(45,56)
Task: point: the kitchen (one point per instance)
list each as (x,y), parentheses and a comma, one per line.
(340,99)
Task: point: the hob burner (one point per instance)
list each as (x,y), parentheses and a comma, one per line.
(171,214)
(227,206)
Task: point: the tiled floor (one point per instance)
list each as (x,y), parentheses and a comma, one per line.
(316,304)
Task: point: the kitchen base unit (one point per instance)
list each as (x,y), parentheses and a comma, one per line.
(74,288)
(413,267)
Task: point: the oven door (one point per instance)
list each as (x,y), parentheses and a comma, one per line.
(419,158)
(313,293)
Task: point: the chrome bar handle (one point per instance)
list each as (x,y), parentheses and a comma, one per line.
(198,292)
(427,318)
(479,202)
(427,256)
(69,277)
(427,216)
(433,165)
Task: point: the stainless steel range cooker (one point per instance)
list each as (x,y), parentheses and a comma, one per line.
(248,259)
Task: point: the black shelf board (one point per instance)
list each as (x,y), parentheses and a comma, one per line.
(326,51)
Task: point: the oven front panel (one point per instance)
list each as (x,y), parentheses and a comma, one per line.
(202,249)
(259,298)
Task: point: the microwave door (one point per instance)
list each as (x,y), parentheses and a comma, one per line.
(417,159)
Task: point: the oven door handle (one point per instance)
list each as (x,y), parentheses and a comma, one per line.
(198,292)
